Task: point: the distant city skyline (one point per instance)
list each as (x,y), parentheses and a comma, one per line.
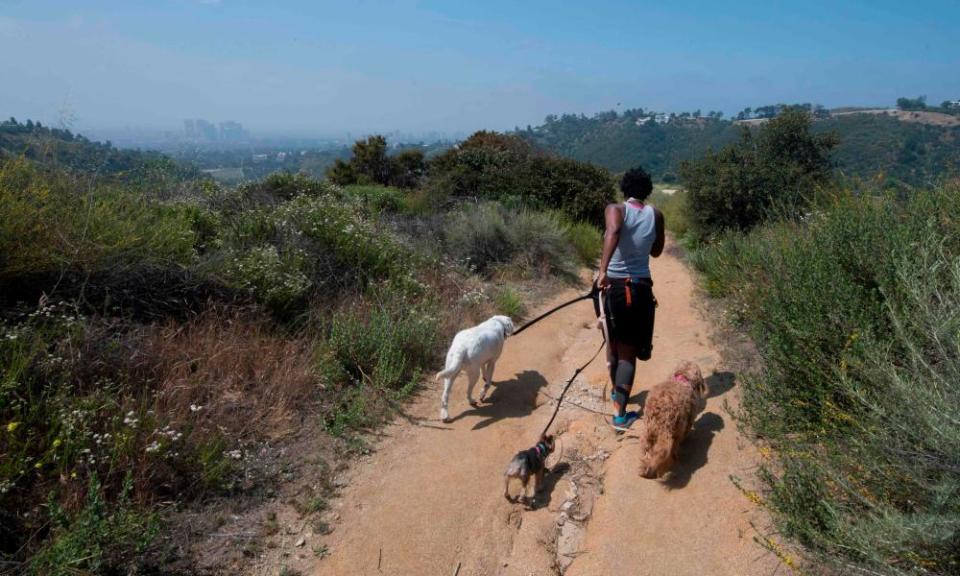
(318,69)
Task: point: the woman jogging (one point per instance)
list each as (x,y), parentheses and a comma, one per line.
(634,232)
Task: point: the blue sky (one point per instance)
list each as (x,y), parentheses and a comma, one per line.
(327,67)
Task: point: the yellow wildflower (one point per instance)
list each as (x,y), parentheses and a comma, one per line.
(57,442)
(753,497)
(11,426)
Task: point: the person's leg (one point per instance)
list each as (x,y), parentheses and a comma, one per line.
(623,376)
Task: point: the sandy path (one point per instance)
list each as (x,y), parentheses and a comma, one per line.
(431,495)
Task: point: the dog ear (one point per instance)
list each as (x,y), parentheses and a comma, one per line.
(701,382)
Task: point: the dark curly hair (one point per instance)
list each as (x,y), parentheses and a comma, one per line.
(636,183)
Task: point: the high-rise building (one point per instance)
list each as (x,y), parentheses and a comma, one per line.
(232,132)
(206,130)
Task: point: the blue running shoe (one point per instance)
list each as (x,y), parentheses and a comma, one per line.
(624,422)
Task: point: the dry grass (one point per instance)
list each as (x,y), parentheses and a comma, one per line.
(229,372)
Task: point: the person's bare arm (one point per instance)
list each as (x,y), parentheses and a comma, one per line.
(613,217)
(657,248)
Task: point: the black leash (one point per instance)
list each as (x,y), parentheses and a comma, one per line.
(569,382)
(593,294)
(589,295)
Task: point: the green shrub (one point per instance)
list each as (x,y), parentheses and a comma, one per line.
(374,353)
(540,243)
(773,172)
(287,186)
(48,226)
(385,347)
(674,208)
(489,236)
(277,280)
(509,303)
(370,164)
(493,166)
(356,248)
(331,242)
(99,539)
(586,241)
(375,198)
(855,313)
(479,236)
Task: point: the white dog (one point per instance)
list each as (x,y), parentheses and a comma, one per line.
(473,350)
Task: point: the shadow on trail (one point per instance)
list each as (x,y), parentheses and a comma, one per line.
(719,383)
(640,399)
(514,398)
(550,480)
(693,451)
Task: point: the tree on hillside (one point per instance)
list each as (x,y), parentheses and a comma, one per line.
(771,172)
(498,166)
(370,164)
(407,167)
(918,103)
(370,159)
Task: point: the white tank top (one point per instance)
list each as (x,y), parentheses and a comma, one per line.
(631,259)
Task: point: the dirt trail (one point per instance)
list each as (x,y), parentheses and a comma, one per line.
(430,497)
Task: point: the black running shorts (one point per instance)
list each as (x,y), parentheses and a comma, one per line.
(630,308)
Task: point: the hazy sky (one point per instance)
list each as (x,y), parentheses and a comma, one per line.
(314,67)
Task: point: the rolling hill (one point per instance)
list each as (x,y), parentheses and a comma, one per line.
(899,147)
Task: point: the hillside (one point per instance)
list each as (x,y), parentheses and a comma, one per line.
(64,149)
(910,151)
(620,141)
(914,148)
(168,355)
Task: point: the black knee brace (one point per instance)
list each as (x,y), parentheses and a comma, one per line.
(620,396)
(623,383)
(624,377)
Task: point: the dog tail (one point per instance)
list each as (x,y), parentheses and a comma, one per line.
(515,468)
(659,458)
(452,367)
(446,372)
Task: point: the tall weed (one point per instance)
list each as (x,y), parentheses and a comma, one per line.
(51,223)
(855,314)
(374,353)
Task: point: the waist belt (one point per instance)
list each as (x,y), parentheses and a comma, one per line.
(628,283)
(637,281)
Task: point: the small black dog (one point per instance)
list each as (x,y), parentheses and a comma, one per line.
(528,463)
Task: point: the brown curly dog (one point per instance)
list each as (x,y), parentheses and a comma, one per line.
(668,415)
